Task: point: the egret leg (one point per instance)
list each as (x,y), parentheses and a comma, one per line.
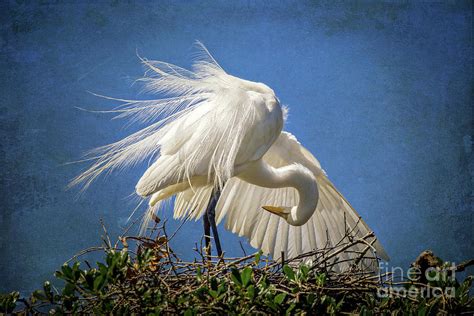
(210,222)
(207,234)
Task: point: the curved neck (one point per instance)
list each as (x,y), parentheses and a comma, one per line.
(297,176)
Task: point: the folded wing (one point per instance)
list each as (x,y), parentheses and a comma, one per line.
(241,206)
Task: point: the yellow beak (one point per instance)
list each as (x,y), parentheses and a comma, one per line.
(280,211)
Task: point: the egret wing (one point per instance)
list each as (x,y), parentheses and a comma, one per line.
(241,204)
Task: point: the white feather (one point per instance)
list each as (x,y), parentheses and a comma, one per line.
(211,129)
(189,122)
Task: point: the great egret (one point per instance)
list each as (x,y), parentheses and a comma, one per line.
(221,135)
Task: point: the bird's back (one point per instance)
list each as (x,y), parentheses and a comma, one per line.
(211,122)
(232,128)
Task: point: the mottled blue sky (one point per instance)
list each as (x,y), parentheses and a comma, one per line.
(380,92)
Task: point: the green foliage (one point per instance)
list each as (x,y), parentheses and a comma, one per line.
(8,302)
(153,283)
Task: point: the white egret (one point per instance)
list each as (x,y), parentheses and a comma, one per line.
(218,146)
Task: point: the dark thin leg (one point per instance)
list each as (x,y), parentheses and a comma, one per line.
(210,220)
(207,234)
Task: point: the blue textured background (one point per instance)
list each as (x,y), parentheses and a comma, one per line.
(379,92)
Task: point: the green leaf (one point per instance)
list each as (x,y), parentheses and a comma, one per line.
(102,268)
(321,279)
(290,309)
(339,305)
(422,311)
(311,298)
(69,289)
(67,271)
(271,304)
(290,274)
(246,276)
(89,278)
(365,312)
(199,274)
(213,293)
(8,302)
(98,282)
(235,276)
(279,298)
(47,291)
(201,292)
(304,271)
(251,291)
(39,295)
(263,282)
(222,288)
(76,272)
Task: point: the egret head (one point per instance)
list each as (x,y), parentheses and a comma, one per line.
(282,211)
(285,212)
(289,214)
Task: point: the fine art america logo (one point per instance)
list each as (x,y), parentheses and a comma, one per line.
(427,282)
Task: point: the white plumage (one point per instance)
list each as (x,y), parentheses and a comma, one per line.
(240,205)
(219,131)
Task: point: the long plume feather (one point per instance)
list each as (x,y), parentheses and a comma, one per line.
(205,93)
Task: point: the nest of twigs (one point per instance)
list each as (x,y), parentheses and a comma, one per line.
(142,275)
